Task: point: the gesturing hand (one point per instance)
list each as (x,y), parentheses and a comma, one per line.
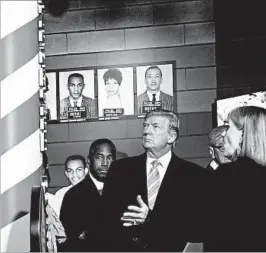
(135,215)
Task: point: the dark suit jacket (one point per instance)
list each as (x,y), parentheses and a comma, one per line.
(80,216)
(235,200)
(167,101)
(170,223)
(89,104)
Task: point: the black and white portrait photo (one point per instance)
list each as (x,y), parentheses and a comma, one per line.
(77,98)
(51,95)
(115,90)
(154,87)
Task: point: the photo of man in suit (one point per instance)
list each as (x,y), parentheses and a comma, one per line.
(216,147)
(80,211)
(149,200)
(153,81)
(75,85)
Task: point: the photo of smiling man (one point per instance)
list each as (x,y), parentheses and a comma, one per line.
(77,102)
(155,91)
(115,90)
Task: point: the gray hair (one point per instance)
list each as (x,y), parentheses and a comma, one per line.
(173,125)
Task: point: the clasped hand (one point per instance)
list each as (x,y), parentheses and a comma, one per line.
(135,215)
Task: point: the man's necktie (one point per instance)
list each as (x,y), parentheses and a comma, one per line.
(153,98)
(153,183)
(75,104)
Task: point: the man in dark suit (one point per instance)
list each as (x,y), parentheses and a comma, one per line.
(75,87)
(150,200)
(216,147)
(81,204)
(153,80)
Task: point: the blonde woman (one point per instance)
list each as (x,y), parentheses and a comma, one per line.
(236,218)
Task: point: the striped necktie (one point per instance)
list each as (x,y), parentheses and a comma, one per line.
(153,183)
(75,104)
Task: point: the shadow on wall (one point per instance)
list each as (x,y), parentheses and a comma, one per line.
(19,235)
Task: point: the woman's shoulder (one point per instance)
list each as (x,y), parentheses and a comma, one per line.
(242,164)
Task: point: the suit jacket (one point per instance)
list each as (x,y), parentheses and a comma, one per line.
(89,104)
(167,101)
(80,216)
(171,222)
(236,219)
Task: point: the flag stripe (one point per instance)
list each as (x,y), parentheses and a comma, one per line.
(18,48)
(19,86)
(15,14)
(17,199)
(15,237)
(21,161)
(26,116)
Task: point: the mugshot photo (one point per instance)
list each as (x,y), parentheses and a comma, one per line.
(50,94)
(155,87)
(77,98)
(115,90)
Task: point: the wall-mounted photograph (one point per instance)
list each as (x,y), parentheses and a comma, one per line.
(76,93)
(115,91)
(51,96)
(155,88)
(226,105)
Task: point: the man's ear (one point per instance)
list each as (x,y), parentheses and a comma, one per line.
(66,174)
(86,171)
(211,152)
(172,137)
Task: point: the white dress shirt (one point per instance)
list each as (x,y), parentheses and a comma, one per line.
(157,95)
(214,164)
(79,101)
(98,184)
(164,160)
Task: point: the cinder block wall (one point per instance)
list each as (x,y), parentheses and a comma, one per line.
(99,33)
(240,28)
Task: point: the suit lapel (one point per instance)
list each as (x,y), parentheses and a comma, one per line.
(142,177)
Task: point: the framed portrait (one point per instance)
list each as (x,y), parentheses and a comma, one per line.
(115,92)
(224,106)
(76,95)
(155,88)
(51,95)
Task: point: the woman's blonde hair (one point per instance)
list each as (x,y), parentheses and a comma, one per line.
(252,121)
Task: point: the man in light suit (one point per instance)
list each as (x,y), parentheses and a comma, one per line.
(150,200)
(216,147)
(75,87)
(80,211)
(153,80)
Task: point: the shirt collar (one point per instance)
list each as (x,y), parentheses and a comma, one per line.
(98,184)
(79,101)
(214,164)
(164,160)
(157,95)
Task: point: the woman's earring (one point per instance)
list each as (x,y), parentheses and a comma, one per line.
(238,150)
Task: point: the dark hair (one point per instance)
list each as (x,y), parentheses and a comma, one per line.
(153,67)
(113,74)
(77,75)
(74,158)
(172,118)
(99,142)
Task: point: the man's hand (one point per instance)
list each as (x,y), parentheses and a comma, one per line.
(135,215)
